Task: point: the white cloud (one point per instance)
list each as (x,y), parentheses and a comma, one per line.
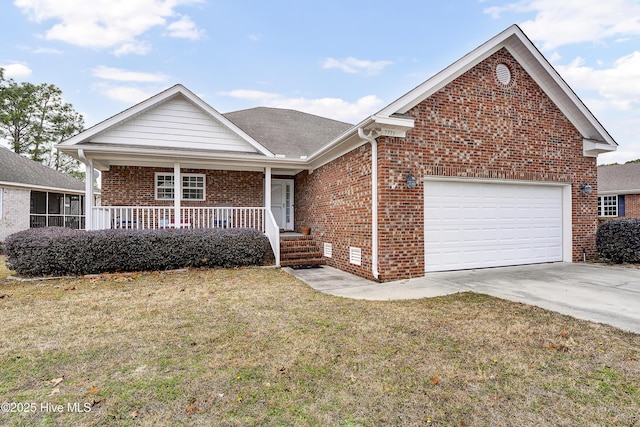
(119,74)
(353,65)
(334,108)
(557,23)
(185,28)
(16,71)
(136,47)
(48,51)
(250,94)
(619,85)
(104,24)
(126,94)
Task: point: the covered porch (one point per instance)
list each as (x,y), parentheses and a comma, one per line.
(173,161)
(211,196)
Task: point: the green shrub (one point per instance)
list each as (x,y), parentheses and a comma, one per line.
(63,251)
(619,240)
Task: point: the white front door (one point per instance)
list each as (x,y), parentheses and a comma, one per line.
(282,202)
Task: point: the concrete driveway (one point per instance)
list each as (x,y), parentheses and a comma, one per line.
(598,293)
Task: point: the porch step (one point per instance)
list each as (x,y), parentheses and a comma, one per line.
(299,251)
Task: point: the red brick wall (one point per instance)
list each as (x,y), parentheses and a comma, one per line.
(473,127)
(134,186)
(632,206)
(335,201)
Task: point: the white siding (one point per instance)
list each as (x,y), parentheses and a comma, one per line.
(175,123)
(15,211)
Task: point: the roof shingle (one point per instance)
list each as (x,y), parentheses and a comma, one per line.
(289,132)
(15,168)
(623,179)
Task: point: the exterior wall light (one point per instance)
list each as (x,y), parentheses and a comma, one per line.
(586,188)
(411,181)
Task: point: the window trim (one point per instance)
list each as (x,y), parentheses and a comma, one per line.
(182,175)
(602,211)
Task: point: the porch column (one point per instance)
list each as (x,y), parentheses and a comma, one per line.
(177,195)
(88,194)
(267,187)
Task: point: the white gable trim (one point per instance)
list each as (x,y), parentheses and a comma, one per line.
(523,50)
(154,101)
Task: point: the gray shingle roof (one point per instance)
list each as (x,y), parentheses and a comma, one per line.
(17,169)
(289,132)
(623,179)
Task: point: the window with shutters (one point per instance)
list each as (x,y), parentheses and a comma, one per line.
(608,205)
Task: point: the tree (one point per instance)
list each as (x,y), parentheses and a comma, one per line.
(34,118)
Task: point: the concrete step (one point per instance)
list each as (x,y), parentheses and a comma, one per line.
(302,262)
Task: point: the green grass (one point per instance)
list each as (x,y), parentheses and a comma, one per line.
(257,347)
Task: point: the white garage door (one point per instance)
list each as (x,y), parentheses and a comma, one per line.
(475,225)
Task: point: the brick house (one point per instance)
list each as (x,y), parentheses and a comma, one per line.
(33,195)
(619,191)
(490,162)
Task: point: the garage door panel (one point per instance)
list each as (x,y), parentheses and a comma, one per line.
(474,225)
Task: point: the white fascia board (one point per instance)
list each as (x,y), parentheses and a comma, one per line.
(566,99)
(133,156)
(618,192)
(213,112)
(446,76)
(40,187)
(337,151)
(348,141)
(121,117)
(335,144)
(150,103)
(524,51)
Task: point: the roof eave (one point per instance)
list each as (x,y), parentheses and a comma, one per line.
(618,192)
(384,126)
(513,39)
(104,154)
(27,186)
(591,148)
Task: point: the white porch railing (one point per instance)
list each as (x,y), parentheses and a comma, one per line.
(272,231)
(155,217)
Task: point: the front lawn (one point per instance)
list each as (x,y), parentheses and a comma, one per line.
(255,346)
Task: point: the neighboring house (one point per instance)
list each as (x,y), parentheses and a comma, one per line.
(34,195)
(619,190)
(485,164)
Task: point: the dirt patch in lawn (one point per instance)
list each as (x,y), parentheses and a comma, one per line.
(256,346)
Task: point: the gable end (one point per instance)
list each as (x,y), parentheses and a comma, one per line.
(175,123)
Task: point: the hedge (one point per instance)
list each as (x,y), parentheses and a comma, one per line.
(618,240)
(56,251)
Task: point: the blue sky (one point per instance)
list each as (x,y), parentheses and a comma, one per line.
(344,59)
